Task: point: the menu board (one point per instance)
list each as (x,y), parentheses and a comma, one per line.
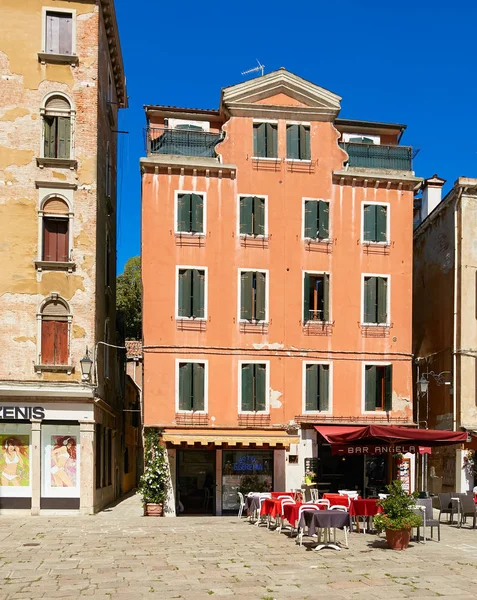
(404,473)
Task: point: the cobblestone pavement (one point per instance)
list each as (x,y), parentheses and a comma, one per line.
(120,554)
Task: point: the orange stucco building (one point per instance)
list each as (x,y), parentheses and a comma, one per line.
(277,273)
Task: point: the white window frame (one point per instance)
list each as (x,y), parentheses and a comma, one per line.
(71,113)
(206,385)
(267,296)
(304,200)
(69,11)
(330,320)
(173,122)
(206,293)
(265,158)
(300,160)
(388,300)
(363,384)
(249,235)
(53,296)
(388,223)
(267,387)
(376,138)
(178,193)
(330,388)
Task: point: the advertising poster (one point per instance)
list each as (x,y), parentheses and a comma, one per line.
(15,462)
(63,461)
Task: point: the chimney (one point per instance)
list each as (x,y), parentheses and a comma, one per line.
(431,195)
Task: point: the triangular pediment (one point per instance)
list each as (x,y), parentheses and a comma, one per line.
(280,94)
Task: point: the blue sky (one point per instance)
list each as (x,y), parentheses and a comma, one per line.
(407,62)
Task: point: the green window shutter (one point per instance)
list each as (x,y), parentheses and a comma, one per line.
(382,289)
(185,386)
(258,216)
(272,141)
(198,294)
(369,229)
(246,282)
(305,153)
(198,384)
(306,298)
(246,211)
(326,297)
(324,385)
(183,212)
(260,296)
(260,387)
(50,137)
(185,291)
(259,140)
(388,388)
(381,223)
(370,388)
(64,133)
(370,300)
(323,220)
(247,387)
(293,149)
(197,213)
(311,219)
(311,387)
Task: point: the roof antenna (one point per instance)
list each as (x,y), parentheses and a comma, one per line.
(255,69)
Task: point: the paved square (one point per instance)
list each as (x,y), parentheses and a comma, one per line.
(120,554)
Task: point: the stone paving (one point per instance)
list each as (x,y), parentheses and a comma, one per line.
(119,554)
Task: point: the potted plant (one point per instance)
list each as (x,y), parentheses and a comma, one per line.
(309,477)
(398,517)
(154,483)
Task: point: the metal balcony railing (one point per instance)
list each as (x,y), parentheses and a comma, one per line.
(372,156)
(181,142)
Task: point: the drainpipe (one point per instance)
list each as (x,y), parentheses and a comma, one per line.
(454,348)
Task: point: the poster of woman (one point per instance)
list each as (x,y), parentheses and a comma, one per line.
(14,460)
(63,461)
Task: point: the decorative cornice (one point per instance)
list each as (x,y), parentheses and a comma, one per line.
(59,185)
(194,164)
(368,177)
(112,34)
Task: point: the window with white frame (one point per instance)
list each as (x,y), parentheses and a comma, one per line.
(190,212)
(59,32)
(191,393)
(376,299)
(265,140)
(191,293)
(378,387)
(375,222)
(57,129)
(316,297)
(317,387)
(316,221)
(252,215)
(253,388)
(298,142)
(253,296)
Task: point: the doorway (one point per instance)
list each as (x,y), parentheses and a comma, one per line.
(196,482)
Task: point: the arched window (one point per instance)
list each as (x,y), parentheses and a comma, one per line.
(55,231)
(55,320)
(57,127)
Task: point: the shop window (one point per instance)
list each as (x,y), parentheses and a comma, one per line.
(190,213)
(265,140)
(317,385)
(245,471)
(254,387)
(317,220)
(191,294)
(316,302)
(378,387)
(298,142)
(55,329)
(191,386)
(376,300)
(253,296)
(57,127)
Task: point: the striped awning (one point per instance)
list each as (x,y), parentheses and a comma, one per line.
(218,437)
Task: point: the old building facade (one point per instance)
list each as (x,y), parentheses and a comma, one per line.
(276,257)
(60,91)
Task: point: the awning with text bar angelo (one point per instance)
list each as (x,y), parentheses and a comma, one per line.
(229,437)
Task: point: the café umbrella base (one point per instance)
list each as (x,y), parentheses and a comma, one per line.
(398,539)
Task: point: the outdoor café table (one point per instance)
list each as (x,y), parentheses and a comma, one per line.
(277,494)
(324,519)
(364,508)
(271,507)
(252,503)
(290,511)
(336,499)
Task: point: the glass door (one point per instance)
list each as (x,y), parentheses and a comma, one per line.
(196,482)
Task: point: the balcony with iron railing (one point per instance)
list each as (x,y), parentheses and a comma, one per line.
(182,142)
(373,156)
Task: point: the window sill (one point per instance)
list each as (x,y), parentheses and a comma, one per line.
(189,234)
(59,163)
(192,319)
(371,243)
(50,265)
(305,161)
(375,324)
(309,240)
(317,323)
(267,158)
(62,59)
(253,236)
(263,323)
(68,369)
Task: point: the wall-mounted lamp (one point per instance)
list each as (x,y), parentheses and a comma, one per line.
(423,385)
(86,366)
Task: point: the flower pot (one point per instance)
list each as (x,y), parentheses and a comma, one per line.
(398,539)
(308,481)
(154,510)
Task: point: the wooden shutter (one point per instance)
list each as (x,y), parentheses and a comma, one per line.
(50,124)
(293,150)
(61,342)
(247,387)
(65,34)
(388,388)
(185,386)
(260,387)
(64,137)
(323,220)
(311,387)
(311,219)
(183,212)
(306,297)
(259,140)
(62,254)
(53,32)
(305,153)
(47,342)
(370,388)
(258,216)
(197,213)
(246,282)
(49,239)
(198,384)
(370,300)
(382,293)
(185,290)
(381,223)
(260,296)
(246,210)
(326,297)
(369,228)
(272,145)
(198,293)
(324,384)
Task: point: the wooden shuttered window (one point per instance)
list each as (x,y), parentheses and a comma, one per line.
(317,387)
(253,296)
(190,213)
(375,300)
(316,298)
(375,227)
(265,140)
(378,387)
(57,136)
(317,219)
(55,239)
(191,293)
(298,142)
(191,386)
(59,33)
(252,215)
(54,342)
(254,384)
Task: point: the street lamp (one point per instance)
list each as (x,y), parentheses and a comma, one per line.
(422,385)
(86,365)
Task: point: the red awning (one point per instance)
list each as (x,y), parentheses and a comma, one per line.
(388,434)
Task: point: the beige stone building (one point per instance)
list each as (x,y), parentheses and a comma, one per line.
(61,85)
(445,324)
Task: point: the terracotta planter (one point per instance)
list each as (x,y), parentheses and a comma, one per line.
(154,510)
(398,539)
